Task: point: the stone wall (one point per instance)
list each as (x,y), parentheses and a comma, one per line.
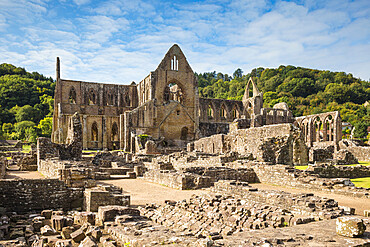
(290,177)
(178,180)
(104,196)
(38,194)
(278,144)
(361,153)
(72,150)
(331,171)
(208,129)
(3,162)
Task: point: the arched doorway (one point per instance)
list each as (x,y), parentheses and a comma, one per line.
(184,133)
(114,136)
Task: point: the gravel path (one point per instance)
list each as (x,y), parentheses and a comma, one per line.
(143,192)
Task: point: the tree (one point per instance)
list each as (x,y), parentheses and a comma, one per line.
(238,73)
(360,129)
(26,113)
(20,129)
(45,126)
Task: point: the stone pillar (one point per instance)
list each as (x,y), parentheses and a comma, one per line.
(127,134)
(122,131)
(84,132)
(104,133)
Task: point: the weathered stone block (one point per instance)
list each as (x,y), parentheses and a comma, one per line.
(47,231)
(88,242)
(78,235)
(350,227)
(108,213)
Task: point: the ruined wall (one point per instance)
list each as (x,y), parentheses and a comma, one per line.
(361,153)
(290,177)
(38,194)
(323,127)
(3,163)
(209,129)
(331,171)
(72,150)
(278,144)
(219,110)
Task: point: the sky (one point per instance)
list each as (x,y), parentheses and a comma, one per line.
(120,41)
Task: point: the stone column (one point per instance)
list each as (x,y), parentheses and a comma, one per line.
(126,131)
(104,133)
(84,132)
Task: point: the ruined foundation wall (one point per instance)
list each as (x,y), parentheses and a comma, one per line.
(278,144)
(38,194)
(361,153)
(331,171)
(290,177)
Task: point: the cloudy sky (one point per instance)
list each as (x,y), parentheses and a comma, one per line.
(119,41)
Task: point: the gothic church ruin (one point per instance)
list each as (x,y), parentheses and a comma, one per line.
(164,107)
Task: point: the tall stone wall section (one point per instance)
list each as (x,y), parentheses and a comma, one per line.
(38,194)
(3,162)
(361,153)
(278,144)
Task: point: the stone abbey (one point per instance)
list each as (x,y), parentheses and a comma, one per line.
(166,108)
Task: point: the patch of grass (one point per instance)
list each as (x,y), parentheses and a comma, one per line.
(301,167)
(361,182)
(26,148)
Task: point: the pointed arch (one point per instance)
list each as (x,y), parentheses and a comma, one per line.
(254,89)
(94,132)
(72,96)
(223,112)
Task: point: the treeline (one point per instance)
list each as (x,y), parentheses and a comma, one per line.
(26,103)
(306,91)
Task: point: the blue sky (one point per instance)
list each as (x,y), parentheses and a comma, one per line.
(119,41)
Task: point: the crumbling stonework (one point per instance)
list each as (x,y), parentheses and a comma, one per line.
(103,196)
(38,194)
(3,163)
(277,144)
(360,152)
(72,150)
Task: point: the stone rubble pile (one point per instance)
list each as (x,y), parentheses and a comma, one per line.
(219,215)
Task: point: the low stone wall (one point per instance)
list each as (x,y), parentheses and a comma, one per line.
(290,177)
(104,196)
(225,173)
(361,153)
(305,204)
(50,167)
(178,180)
(38,194)
(331,171)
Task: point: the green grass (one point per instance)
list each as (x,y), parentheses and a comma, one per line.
(364,163)
(361,182)
(301,167)
(26,148)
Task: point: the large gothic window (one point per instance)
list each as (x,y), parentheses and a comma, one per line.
(92,97)
(72,96)
(174,63)
(173,92)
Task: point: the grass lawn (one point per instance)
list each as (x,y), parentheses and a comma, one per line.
(361,182)
(301,167)
(364,163)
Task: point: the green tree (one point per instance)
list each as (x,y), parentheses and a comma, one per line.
(361,130)
(26,113)
(45,126)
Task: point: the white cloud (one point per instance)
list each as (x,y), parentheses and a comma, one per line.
(81,2)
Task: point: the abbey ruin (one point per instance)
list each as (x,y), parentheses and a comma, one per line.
(152,164)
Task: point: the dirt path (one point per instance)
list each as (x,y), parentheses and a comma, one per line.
(143,192)
(360,204)
(23,175)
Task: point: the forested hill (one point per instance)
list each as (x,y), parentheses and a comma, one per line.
(306,91)
(26,103)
